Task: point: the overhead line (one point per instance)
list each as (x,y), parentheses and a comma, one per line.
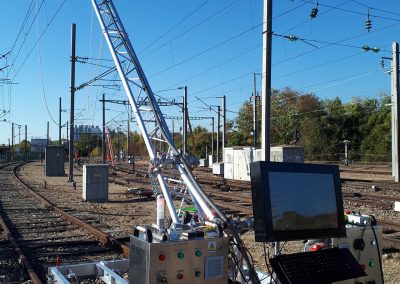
(351,11)
(37,41)
(174,26)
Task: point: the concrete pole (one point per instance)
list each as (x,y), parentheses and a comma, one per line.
(396,97)
(223,125)
(392,116)
(255,112)
(346,155)
(185,120)
(12,138)
(19,135)
(48,133)
(26,143)
(67,131)
(218,128)
(71,118)
(173,130)
(266,81)
(103,138)
(119,146)
(59,124)
(128,140)
(212,138)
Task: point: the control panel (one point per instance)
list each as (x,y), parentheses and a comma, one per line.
(362,244)
(195,261)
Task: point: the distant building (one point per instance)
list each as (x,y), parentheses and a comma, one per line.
(38,145)
(86,129)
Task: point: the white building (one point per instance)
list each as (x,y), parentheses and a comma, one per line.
(86,129)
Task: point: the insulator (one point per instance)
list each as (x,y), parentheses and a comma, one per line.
(368,25)
(366,48)
(382,63)
(314,13)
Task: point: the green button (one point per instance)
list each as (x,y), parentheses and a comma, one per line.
(371,263)
(198,274)
(198,253)
(181,255)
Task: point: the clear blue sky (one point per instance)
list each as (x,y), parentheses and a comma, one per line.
(211,46)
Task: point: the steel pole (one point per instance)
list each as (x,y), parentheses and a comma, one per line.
(48,133)
(12,138)
(266,81)
(103,138)
(396,94)
(223,125)
(255,112)
(59,124)
(185,120)
(212,139)
(128,140)
(26,142)
(218,127)
(71,118)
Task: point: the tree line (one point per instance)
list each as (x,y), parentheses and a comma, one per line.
(323,125)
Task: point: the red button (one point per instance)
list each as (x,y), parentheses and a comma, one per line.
(362,266)
(162,257)
(179,276)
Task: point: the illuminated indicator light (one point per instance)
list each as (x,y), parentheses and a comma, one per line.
(181,255)
(197,253)
(162,257)
(198,274)
(371,263)
(179,276)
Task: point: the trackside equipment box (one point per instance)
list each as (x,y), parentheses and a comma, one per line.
(95,183)
(55,157)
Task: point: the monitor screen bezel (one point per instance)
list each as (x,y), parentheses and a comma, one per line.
(261,196)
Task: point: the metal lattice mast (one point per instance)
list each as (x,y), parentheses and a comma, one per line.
(147,111)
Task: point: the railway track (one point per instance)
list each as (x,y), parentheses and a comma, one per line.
(44,235)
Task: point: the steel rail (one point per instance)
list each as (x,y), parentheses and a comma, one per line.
(104,238)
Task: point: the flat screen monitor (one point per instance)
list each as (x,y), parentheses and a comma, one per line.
(293,201)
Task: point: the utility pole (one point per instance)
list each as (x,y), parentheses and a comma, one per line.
(12,137)
(346,155)
(71,117)
(396,98)
(255,112)
(223,124)
(128,140)
(26,143)
(59,124)
(173,130)
(19,135)
(48,134)
(118,136)
(184,132)
(212,139)
(266,81)
(67,131)
(103,138)
(218,127)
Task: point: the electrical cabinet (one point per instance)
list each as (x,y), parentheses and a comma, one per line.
(362,244)
(196,261)
(95,183)
(55,157)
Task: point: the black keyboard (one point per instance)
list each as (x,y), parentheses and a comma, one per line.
(322,266)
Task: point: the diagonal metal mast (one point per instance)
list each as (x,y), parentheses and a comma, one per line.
(147,112)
